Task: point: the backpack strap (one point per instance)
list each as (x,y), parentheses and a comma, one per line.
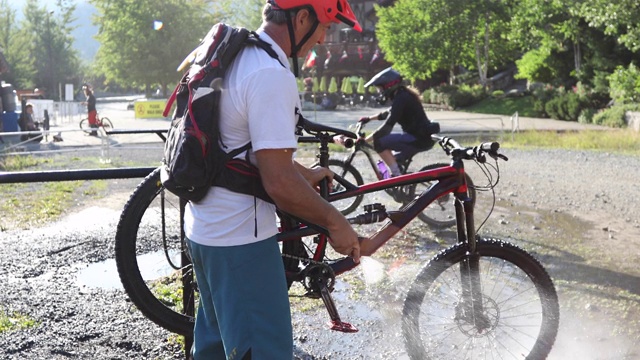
(254,39)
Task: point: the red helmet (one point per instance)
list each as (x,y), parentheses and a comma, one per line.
(327,10)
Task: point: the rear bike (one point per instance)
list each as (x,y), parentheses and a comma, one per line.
(480,298)
(438,215)
(101,122)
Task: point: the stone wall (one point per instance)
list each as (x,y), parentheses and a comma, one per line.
(633,120)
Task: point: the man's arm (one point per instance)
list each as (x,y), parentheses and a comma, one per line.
(293,194)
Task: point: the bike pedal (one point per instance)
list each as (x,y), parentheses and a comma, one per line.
(342,327)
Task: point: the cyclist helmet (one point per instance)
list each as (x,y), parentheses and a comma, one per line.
(388,81)
(326,10)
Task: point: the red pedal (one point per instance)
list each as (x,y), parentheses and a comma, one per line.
(342,326)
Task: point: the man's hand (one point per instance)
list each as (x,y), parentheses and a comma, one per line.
(345,241)
(364,119)
(315,175)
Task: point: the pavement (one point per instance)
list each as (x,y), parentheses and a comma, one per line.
(451,122)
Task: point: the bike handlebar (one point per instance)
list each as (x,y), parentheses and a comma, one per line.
(455,150)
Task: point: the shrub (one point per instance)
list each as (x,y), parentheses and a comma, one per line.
(497,93)
(586,116)
(426,96)
(612,117)
(624,84)
(573,106)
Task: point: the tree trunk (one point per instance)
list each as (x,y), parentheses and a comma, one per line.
(577,55)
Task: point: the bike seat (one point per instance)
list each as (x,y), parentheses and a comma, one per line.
(313,127)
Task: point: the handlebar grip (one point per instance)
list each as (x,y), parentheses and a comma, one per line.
(490,146)
(348,143)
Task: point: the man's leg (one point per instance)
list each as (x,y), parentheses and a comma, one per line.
(251,301)
(207,341)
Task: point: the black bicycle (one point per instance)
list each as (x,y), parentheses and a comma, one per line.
(480,298)
(438,215)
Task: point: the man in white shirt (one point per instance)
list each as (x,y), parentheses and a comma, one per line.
(244,306)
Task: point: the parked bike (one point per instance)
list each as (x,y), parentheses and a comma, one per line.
(438,215)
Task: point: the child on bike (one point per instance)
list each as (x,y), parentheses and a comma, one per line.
(91,109)
(406,109)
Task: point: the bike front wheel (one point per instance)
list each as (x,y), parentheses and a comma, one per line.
(517,318)
(350,174)
(441,213)
(152,259)
(106,124)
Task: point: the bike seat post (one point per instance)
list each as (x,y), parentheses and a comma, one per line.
(323,160)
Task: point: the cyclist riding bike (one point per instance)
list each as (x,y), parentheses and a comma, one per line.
(406,109)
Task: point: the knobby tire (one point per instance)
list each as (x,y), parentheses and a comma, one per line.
(520,306)
(150,213)
(347,171)
(441,213)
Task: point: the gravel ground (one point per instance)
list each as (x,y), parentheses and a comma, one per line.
(576,210)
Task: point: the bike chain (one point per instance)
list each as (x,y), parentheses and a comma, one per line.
(303,259)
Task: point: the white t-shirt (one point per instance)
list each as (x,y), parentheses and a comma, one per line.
(258,104)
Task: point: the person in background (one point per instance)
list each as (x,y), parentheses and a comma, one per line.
(406,109)
(244,310)
(91,109)
(27,123)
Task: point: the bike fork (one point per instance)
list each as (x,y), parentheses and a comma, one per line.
(471,307)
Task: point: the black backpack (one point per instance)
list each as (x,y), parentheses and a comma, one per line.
(194,157)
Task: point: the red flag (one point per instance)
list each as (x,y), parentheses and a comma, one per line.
(310,61)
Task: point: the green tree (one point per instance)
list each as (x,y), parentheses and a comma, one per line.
(51,45)
(446,35)
(491,49)
(245,13)
(16,49)
(437,36)
(617,18)
(142,42)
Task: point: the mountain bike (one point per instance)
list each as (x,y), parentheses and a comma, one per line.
(479,298)
(102,122)
(438,215)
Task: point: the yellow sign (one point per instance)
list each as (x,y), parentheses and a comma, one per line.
(149,109)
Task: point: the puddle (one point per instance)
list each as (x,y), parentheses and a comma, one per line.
(104,274)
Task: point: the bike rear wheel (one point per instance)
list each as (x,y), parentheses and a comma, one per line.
(150,256)
(520,313)
(84,125)
(441,213)
(349,173)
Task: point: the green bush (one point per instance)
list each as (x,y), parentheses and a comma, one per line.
(573,106)
(497,93)
(624,84)
(426,96)
(565,106)
(455,96)
(586,116)
(612,117)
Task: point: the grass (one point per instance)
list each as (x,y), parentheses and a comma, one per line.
(505,106)
(25,205)
(17,163)
(623,141)
(14,321)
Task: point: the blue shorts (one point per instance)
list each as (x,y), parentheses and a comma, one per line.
(244,310)
(402,143)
